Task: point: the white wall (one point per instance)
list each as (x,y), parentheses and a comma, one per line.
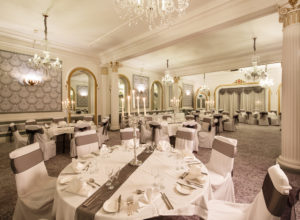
(227,77)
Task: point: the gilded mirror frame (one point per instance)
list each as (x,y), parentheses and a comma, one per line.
(128,82)
(95,90)
(198,92)
(162,94)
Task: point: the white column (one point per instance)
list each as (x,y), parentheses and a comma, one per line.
(114,98)
(290,141)
(105,93)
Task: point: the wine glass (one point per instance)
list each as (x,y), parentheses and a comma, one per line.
(109,172)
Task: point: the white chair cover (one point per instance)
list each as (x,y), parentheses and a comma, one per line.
(30,122)
(274,119)
(196,126)
(263,120)
(73,151)
(19,141)
(253,119)
(86,142)
(275,188)
(146,134)
(229,125)
(220,167)
(185,139)
(127,137)
(100,134)
(47,146)
(159,133)
(243,117)
(206,138)
(34,187)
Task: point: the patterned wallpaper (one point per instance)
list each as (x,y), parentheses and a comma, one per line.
(82,101)
(17,98)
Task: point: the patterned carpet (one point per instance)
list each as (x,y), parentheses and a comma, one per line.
(258,148)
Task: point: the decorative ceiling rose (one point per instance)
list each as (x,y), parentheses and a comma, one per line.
(256,73)
(167,79)
(42,65)
(153,12)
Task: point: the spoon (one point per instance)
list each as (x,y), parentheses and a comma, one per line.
(92,180)
(139,191)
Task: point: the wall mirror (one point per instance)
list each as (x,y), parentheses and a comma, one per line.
(124,91)
(200,99)
(82,90)
(156,96)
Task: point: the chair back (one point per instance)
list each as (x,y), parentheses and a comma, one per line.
(127,134)
(30,122)
(27,163)
(190,117)
(58,119)
(86,142)
(185,139)
(273,198)
(222,155)
(82,127)
(190,124)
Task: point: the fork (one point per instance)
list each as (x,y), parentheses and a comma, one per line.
(130,205)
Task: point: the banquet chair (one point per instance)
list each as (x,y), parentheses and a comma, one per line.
(157,133)
(165,117)
(86,142)
(127,137)
(88,118)
(19,141)
(57,120)
(190,117)
(207,133)
(269,203)
(252,119)
(193,125)
(105,125)
(273,119)
(263,119)
(47,146)
(220,168)
(34,187)
(242,116)
(79,128)
(229,125)
(185,139)
(146,134)
(30,122)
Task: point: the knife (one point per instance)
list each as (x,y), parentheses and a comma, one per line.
(194,184)
(168,201)
(191,187)
(119,203)
(165,201)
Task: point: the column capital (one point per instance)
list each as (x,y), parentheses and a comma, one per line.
(104,70)
(114,66)
(289,15)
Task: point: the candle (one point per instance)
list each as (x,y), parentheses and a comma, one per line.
(144,101)
(138,104)
(122,100)
(133,99)
(128,105)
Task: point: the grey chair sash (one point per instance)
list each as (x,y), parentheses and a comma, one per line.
(11,130)
(56,120)
(190,117)
(185,135)
(86,139)
(224,148)
(31,132)
(105,127)
(191,126)
(290,211)
(81,129)
(275,201)
(127,135)
(165,117)
(25,162)
(87,118)
(154,125)
(208,120)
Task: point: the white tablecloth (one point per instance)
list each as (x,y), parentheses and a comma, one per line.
(164,163)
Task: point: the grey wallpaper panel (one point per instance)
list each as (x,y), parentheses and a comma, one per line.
(82,101)
(17,98)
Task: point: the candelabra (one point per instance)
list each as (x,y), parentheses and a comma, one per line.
(133,122)
(67,106)
(175,104)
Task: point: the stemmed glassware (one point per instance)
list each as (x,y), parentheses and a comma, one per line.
(109,172)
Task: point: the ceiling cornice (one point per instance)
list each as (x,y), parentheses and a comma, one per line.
(269,54)
(226,14)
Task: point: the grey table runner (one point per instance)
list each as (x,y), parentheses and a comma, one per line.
(103,193)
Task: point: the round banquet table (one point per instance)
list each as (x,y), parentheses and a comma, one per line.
(163,163)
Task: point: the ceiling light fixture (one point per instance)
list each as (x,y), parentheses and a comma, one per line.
(204,87)
(167,79)
(154,12)
(42,64)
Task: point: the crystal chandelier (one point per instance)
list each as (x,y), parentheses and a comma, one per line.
(204,87)
(266,81)
(255,72)
(42,65)
(167,79)
(154,12)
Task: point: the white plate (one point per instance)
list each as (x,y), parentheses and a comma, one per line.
(183,190)
(110,206)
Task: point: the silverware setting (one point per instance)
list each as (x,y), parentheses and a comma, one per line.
(92,181)
(130,205)
(139,191)
(167,201)
(194,184)
(188,186)
(183,175)
(119,203)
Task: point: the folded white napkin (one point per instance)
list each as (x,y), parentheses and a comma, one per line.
(65,179)
(163,146)
(148,197)
(195,174)
(79,187)
(187,155)
(62,124)
(78,165)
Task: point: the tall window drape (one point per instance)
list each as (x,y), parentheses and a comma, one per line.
(246,98)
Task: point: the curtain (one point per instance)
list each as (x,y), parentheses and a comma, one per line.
(246,98)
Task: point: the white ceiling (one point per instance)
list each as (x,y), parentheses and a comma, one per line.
(93,28)
(215,45)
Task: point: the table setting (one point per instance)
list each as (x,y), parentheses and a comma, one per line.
(104,185)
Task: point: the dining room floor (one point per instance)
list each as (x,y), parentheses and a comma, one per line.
(258,148)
